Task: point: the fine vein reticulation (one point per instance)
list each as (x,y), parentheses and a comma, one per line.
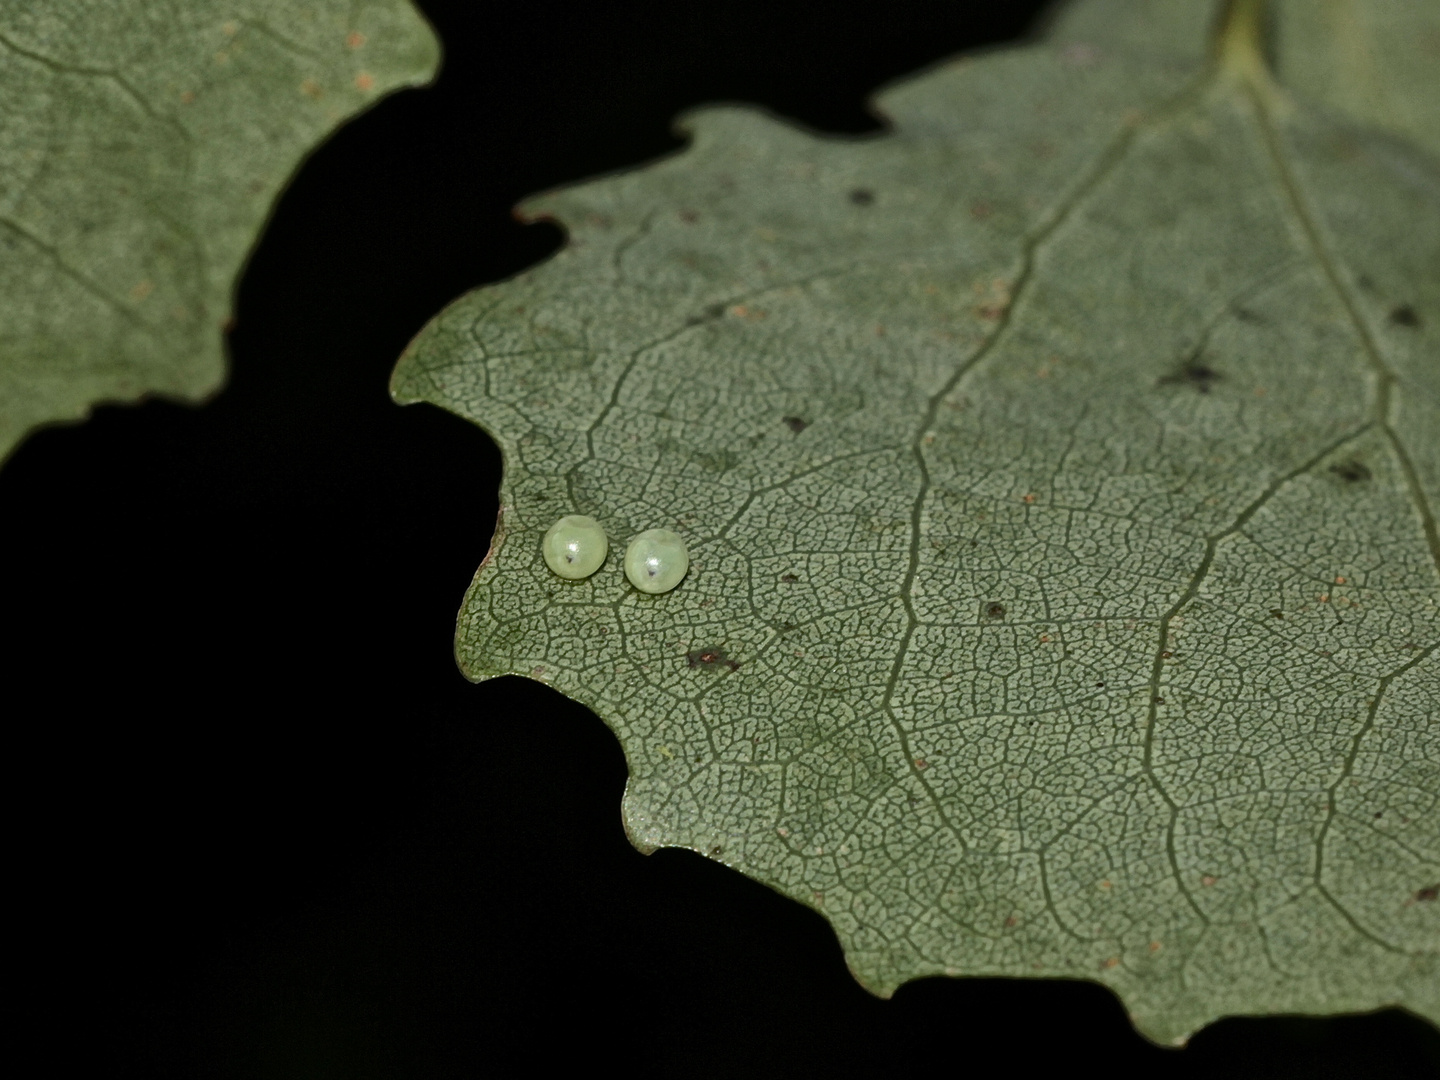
(141,151)
(1057,475)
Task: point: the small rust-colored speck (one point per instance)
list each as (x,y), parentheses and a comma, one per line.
(1159,700)
(1154,946)
(141,290)
(1080,54)
(1110,962)
(354,39)
(981,210)
(710,658)
(1325,598)
(1028,498)
(1430,892)
(310,88)
(921,763)
(1339,581)
(1044,638)
(364,82)
(1207,880)
(1106,886)
(1405,315)
(689,217)
(1012,921)
(187,97)
(794,423)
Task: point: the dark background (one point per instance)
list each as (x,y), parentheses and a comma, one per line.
(263,828)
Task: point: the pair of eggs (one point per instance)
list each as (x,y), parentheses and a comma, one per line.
(576,545)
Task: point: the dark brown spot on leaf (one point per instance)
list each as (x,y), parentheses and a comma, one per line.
(1430,892)
(713,311)
(862,196)
(1405,315)
(789,579)
(1352,472)
(1193,373)
(794,423)
(994,611)
(1275,612)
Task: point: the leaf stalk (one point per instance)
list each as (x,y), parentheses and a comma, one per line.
(1240,42)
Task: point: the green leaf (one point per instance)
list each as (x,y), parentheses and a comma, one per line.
(1056,471)
(1378,60)
(141,148)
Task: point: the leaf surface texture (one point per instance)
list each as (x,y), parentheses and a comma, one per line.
(141,148)
(1058,471)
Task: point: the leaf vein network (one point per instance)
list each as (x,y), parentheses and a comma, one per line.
(1108,159)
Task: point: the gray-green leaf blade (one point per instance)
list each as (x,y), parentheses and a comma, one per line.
(1057,472)
(141,148)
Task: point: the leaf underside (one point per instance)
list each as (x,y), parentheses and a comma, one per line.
(141,148)
(1057,471)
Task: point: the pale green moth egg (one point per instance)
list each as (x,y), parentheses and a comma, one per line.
(656,560)
(575,546)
